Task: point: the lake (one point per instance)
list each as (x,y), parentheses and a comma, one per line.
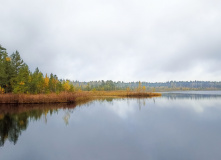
(176,126)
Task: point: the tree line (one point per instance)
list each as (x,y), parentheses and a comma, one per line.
(149,86)
(15,77)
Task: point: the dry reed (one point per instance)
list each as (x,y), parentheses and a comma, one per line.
(65,97)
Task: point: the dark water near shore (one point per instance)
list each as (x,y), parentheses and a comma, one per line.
(176,126)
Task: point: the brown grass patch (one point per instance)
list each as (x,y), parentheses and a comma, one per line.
(74,97)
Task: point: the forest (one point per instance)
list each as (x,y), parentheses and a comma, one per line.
(16,77)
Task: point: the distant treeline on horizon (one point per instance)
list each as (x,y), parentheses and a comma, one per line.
(15,77)
(150,86)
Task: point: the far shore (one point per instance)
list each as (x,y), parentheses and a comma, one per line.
(69,97)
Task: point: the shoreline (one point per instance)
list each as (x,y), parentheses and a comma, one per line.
(72,97)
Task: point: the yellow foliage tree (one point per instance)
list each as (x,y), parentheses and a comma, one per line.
(144,88)
(2,90)
(66,85)
(46,80)
(22,83)
(8,59)
(139,88)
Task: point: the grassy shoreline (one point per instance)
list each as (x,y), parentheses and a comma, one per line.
(65,97)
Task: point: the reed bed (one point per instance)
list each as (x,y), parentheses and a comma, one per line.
(38,98)
(66,97)
(126,93)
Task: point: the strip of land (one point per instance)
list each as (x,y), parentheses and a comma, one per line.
(66,97)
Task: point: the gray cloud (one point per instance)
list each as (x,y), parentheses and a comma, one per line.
(126,40)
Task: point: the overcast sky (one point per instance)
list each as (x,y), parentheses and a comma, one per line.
(126,40)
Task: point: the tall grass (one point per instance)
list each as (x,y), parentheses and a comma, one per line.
(66,97)
(126,93)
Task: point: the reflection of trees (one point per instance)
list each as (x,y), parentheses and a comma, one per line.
(66,117)
(141,102)
(11,127)
(174,96)
(107,99)
(15,119)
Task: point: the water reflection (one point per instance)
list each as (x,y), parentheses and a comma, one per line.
(191,96)
(66,117)
(15,118)
(153,128)
(11,127)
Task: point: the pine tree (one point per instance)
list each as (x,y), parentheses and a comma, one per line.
(23,80)
(3,74)
(17,64)
(6,70)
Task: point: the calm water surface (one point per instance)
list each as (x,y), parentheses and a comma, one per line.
(176,126)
